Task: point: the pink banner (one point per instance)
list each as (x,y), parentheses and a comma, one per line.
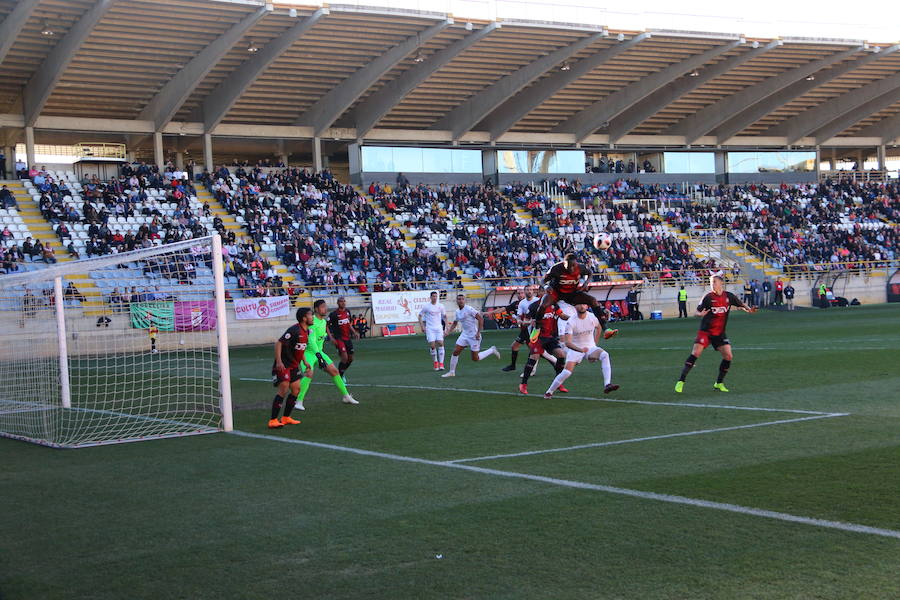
(195,315)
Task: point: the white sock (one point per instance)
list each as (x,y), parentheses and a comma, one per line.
(606,366)
(485,353)
(440,352)
(558,381)
(549,357)
(453,360)
(433,354)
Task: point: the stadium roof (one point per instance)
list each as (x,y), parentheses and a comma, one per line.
(245,68)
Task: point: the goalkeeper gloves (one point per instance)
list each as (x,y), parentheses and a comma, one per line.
(322,363)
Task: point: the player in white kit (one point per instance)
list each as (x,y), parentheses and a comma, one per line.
(580,335)
(471,323)
(431,319)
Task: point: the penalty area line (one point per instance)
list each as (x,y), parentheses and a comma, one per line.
(567,397)
(671,499)
(644,439)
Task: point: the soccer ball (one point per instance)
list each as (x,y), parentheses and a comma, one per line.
(602,241)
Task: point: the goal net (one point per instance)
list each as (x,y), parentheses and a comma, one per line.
(118,348)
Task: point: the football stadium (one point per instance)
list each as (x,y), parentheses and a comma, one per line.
(449,299)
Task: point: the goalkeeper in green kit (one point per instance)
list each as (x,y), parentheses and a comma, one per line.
(314,350)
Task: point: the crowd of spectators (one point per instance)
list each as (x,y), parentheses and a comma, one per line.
(322,230)
(804,227)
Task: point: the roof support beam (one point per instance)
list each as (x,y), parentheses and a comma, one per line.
(13,23)
(588,120)
(658,100)
(887,129)
(514,110)
(467,115)
(856,115)
(741,121)
(165,104)
(382,102)
(322,115)
(707,119)
(45,78)
(817,117)
(221,99)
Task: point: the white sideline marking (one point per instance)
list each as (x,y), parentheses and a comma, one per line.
(734,508)
(569,397)
(645,439)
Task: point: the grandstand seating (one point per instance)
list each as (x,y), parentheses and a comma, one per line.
(803,226)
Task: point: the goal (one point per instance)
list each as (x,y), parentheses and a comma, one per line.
(117,348)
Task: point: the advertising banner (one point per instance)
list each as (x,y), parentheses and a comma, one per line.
(398,307)
(262,308)
(195,315)
(146,314)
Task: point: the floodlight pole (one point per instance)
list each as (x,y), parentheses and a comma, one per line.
(222,331)
(65,392)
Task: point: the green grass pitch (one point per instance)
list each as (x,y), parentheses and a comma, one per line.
(229,516)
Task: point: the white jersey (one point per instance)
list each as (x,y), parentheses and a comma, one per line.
(524,306)
(582,330)
(432,315)
(468,324)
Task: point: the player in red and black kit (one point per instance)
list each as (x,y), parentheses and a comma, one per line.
(568,281)
(546,320)
(340,326)
(714,309)
(286,370)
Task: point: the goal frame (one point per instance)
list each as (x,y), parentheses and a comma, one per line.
(57,272)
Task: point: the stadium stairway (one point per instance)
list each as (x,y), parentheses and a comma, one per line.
(471,287)
(41,229)
(231,224)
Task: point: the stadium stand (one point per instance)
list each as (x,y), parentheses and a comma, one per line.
(799,228)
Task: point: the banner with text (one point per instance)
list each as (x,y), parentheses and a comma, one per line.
(262,308)
(398,307)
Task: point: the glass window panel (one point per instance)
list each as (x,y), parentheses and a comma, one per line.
(436,160)
(690,162)
(377,160)
(771,162)
(569,161)
(408,160)
(466,161)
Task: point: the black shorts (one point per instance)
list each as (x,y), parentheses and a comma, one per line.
(287,375)
(344,345)
(704,338)
(544,344)
(524,335)
(572,298)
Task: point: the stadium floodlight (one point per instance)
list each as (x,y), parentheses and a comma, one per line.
(126,363)
(292,12)
(46,29)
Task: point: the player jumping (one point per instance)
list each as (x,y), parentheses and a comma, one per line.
(342,334)
(714,309)
(568,281)
(290,352)
(431,319)
(580,336)
(471,323)
(544,339)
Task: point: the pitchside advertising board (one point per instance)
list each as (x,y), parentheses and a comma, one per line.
(398,307)
(262,308)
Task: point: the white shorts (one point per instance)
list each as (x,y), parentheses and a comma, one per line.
(468,340)
(434,334)
(577,357)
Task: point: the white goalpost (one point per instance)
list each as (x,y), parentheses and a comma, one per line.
(120,348)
